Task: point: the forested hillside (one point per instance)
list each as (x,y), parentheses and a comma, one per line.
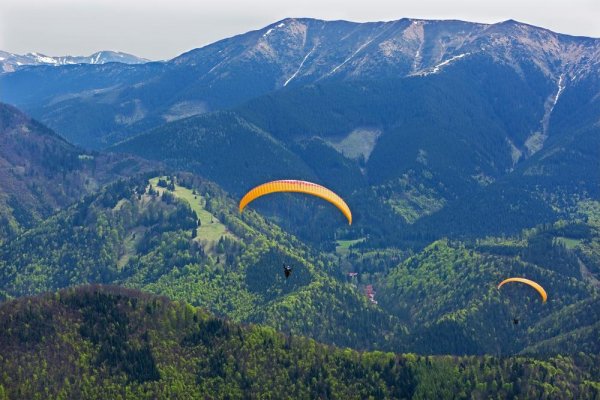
(106,342)
(448,294)
(182,237)
(143,236)
(428,157)
(467,154)
(41,173)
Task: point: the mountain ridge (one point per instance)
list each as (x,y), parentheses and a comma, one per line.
(474,146)
(10,62)
(289,53)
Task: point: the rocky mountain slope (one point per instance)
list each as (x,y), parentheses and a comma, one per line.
(292,53)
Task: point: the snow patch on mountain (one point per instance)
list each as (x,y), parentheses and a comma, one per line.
(270,30)
(361,47)
(351,57)
(415,36)
(42,59)
(300,67)
(561,87)
(436,69)
(535,142)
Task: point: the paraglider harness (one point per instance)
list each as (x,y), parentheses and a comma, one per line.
(287,270)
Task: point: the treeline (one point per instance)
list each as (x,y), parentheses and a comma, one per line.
(42,172)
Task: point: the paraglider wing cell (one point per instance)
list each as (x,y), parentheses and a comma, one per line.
(299,187)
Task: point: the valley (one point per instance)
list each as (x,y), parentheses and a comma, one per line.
(468,153)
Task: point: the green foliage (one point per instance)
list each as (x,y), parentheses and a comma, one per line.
(108,342)
(447,296)
(41,172)
(438,300)
(138,236)
(106,324)
(222,147)
(83,244)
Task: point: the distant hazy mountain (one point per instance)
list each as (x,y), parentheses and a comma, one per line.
(10,62)
(121,99)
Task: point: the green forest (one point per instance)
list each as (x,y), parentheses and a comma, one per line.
(128,269)
(108,342)
(183,237)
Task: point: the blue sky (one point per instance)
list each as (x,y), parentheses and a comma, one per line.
(163,29)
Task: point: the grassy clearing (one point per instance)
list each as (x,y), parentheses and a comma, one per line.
(211,229)
(129,245)
(414,205)
(568,242)
(501,242)
(359,142)
(343,246)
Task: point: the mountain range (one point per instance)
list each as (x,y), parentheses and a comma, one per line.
(437,118)
(467,153)
(10,62)
(296,52)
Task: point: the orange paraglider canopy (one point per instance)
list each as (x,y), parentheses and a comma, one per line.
(299,187)
(529,282)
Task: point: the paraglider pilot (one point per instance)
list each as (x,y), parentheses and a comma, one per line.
(287,270)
